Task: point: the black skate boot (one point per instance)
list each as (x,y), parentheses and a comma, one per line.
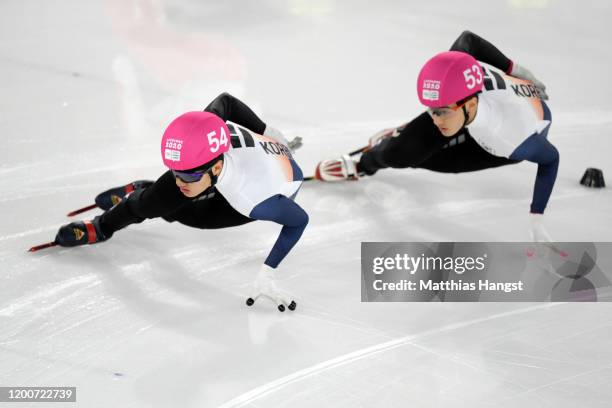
(81,233)
(109,198)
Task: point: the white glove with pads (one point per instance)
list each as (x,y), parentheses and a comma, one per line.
(543,245)
(265,286)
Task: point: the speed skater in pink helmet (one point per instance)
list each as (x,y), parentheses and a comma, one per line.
(194,139)
(482,111)
(449,77)
(225,168)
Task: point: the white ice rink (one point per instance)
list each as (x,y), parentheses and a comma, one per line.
(155,317)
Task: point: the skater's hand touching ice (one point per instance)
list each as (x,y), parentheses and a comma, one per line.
(542,241)
(265,286)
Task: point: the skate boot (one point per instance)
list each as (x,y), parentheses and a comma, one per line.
(80,233)
(109,198)
(340,169)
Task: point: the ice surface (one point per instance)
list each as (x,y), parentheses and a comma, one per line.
(156,316)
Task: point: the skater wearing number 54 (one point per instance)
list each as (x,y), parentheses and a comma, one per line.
(219,175)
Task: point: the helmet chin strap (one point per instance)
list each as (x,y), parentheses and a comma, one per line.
(213,178)
(465,120)
(465,117)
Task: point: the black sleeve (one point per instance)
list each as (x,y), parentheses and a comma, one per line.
(482,50)
(418,140)
(229,108)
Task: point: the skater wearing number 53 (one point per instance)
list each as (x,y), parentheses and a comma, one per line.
(483,111)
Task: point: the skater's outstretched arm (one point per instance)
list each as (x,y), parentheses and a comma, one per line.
(290,215)
(233,109)
(539,150)
(230,108)
(294,219)
(486,52)
(482,50)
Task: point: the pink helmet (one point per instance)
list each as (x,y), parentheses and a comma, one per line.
(448,78)
(194,139)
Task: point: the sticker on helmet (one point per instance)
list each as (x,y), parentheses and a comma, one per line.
(431,90)
(172,155)
(429,95)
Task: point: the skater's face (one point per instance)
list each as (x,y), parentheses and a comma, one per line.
(198,187)
(450,119)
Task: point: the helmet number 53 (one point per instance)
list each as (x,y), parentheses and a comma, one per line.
(470,80)
(214,142)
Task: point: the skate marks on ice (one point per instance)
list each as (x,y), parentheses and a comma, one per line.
(496,368)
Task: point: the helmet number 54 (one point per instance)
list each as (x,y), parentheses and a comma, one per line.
(214,142)
(470,80)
